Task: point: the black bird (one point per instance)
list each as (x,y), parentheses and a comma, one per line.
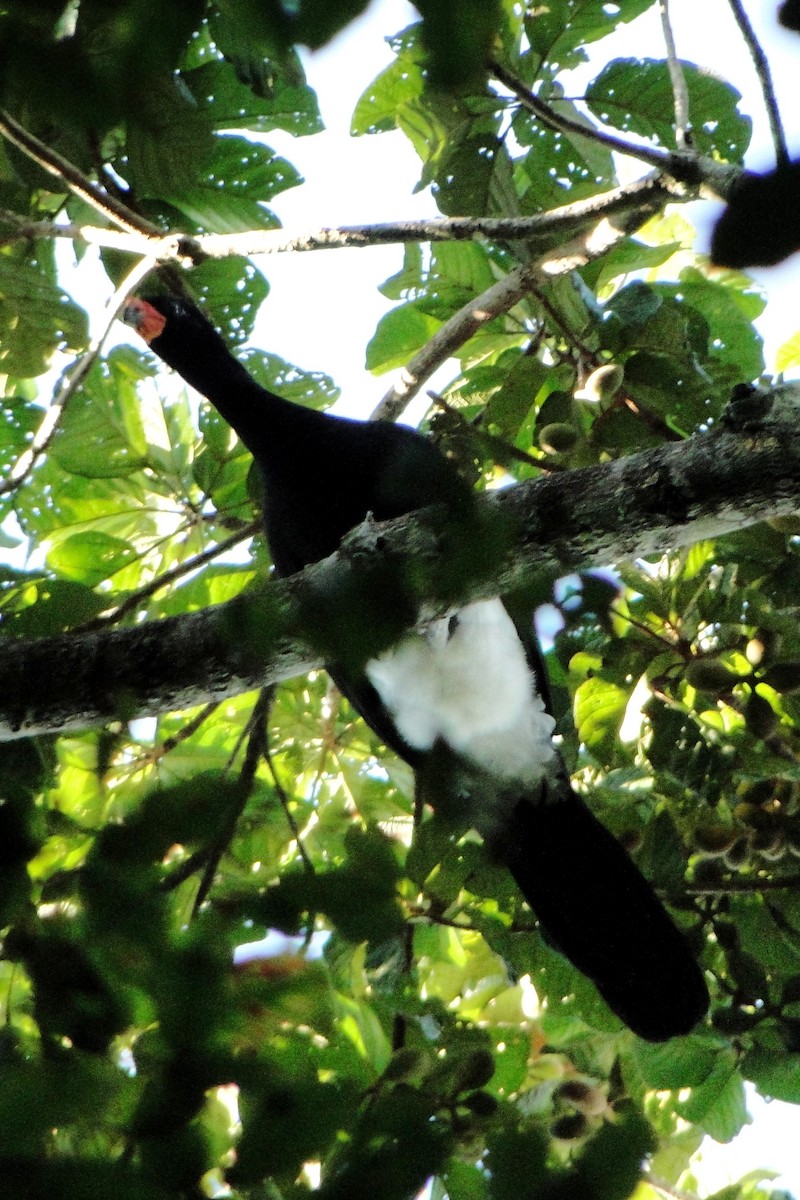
(462,702)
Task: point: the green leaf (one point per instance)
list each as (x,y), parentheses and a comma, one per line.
(458,44)
(559,31)
(599,711)
(381,104)
(231,196)
(231,289)
(775,1074)
(466,172)
(611,1164)
(170,142)
(371,872)
(729,309)
(255,94)
(101,434)
(55,605)
(558,163)
(312,389)
(511,403)
(36,317)
(399,335)
(788,353)
(718,1104)
(89,558)
(462,1181)
(679,1063)
(663,854)
(635,95)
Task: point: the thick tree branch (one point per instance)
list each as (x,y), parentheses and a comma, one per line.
(560,222)
(743,471)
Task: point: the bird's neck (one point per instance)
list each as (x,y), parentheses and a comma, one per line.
(265,422)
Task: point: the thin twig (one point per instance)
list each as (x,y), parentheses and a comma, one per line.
(660,159)
(287,812)
(71,381)
(680,92)
(132,602)
(765,79)
(184,733)
(256,747)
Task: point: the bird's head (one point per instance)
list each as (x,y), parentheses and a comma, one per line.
(177,331)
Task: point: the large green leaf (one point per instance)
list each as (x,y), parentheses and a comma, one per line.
(635,95)
(558,32)
(399,335)
(36,316)
(90,557)
(231,104)
(252,174)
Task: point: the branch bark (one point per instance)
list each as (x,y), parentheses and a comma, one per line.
(642,201)
(746,469)
(562,222)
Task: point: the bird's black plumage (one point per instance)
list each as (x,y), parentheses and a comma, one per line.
(464,705)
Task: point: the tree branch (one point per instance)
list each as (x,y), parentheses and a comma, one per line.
(680,92)
(746,469)
(560,222)
(765,79)
(610,225)
(74,180)
(714,178)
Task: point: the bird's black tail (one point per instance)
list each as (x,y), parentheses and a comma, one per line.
(597,908)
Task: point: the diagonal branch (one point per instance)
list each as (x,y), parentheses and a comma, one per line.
(661,160)
(642,201)
(765,79)
(746,469)
(74,180)
(715,179)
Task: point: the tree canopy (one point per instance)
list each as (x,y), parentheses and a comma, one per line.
(605,371)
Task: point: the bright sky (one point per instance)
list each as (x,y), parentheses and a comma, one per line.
(324,306)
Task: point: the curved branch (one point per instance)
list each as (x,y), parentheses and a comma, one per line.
(610,226)
(662,160)
(743,471)
(714,179)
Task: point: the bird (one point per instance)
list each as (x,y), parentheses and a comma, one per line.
(465,701)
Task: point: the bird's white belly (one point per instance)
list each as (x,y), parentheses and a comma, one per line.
(471,686)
